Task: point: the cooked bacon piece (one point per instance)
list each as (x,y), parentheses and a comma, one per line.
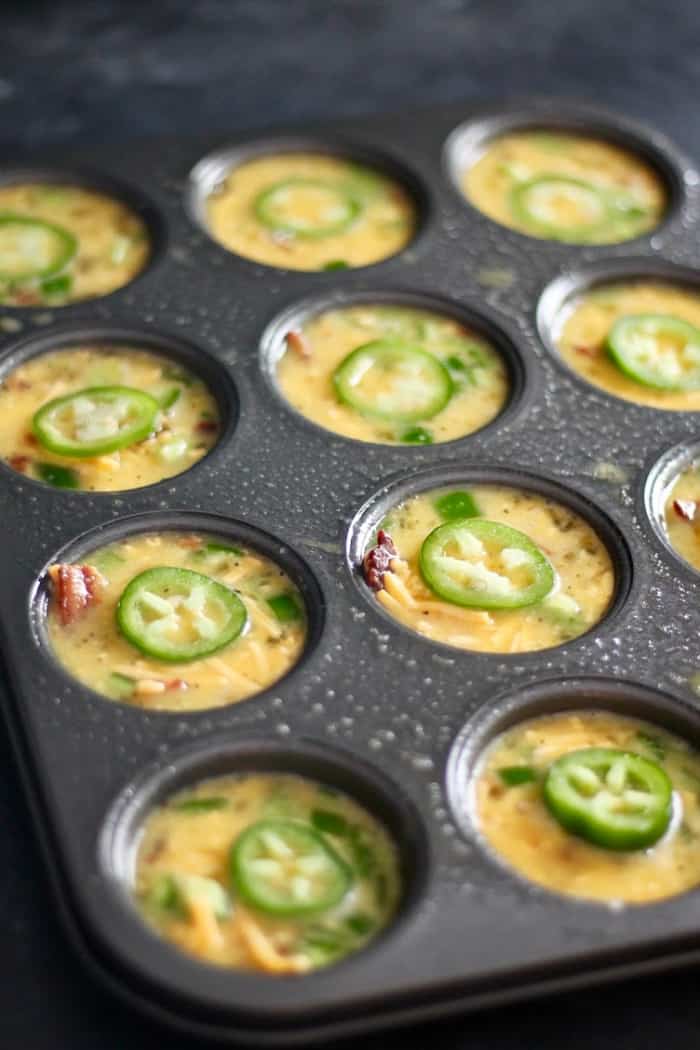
(377,560)
(16,383)
(587,351)
(75,587)
(19,463)
(156,850)
(207,426)
(176,683)
(297,343)
(31,439)
(26,297)
(191,542)
(685,508)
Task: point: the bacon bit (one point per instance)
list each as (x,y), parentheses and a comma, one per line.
(75,588)
(156,850)
(193,542)
(25,297)
(207,425)
(377,561)
(16,383)
(587,351)
(31,439)
(297,343)
(685,508)
(177,683)
(19,463)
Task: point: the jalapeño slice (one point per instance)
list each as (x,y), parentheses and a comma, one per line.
(657,350)
(31,248)
(394,381)
(310,208)
(95,421)
(178,615)
(559,207)
(483,564)
(614,799)
(286,868)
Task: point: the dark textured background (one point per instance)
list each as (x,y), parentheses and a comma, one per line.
(72,74)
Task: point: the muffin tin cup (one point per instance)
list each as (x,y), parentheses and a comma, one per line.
(652,497)
(549,697)
(522,373)
(401,488)
(467,142)
(84,176)
(209,172)
(64,336)
(174,521)
(223,989)
(567,286)
(369,703)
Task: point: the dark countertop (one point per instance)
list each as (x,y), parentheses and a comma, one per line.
(74,74)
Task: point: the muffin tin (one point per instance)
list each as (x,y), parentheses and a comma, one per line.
(383,713)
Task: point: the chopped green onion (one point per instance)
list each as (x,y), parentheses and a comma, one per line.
(336,264)
(174,893)
(363,855)
(59,477)
(562,611)
(177,375)
(57,285)
(121,246)
(173,449)
(223,548)
(106,560)
(467,360)
(324,945)
(120,684)
(512,776)
(360,924)
(285,608)
(201,805)
(170,397)
(165,896)
(654,744)
(329,823)
(454,505)
(416,436)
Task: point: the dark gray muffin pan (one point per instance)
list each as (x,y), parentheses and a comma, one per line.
(390,717)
